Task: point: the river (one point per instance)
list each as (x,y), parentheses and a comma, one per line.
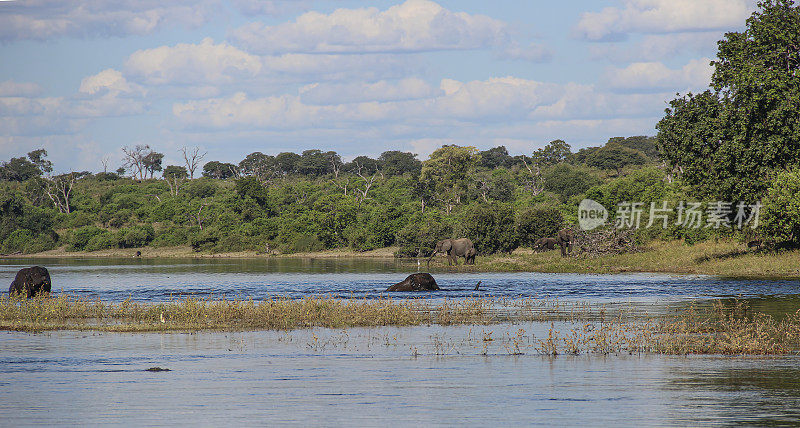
(409,376)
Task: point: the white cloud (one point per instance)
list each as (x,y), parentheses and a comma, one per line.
(658,47)
(206,63)
(413,26)
(11,88)
(650,76)
(108,81)
(45,19)
(663,16)
(344,93)
(483,103)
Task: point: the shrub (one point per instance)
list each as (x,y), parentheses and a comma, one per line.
(421,232)
(16,241)
(43,242)
(567,180)
(171,237)
(102,241)
(781,212)
(491,228)
(301,243)
(135,236)
(534,223)
(81,236)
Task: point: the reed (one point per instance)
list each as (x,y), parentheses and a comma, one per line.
(721,327)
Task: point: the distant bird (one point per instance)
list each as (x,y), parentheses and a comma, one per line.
(477,286)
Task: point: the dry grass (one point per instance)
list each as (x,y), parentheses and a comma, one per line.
(717,328)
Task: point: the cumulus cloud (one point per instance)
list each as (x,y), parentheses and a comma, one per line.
(344,93)
(663,16)
(487,102)
(108,81)
(652,76)
(206,62)
(45,19)
(413,26)
(11,88)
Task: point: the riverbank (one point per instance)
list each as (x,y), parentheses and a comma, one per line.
(723,258)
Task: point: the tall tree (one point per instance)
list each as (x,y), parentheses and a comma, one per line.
(37,157)
(728,141)
(450,169)
(152,162)
(555,152)
(394,162)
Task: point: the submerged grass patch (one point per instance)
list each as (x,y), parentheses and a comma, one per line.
(722,327)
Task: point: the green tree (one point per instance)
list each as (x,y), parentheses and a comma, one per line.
(18,169)
(450,170)
(567,180)
(258,165)
(538,222)
(219,170)
(495,157)
(729,140)
(490,227)
(555,152)
(174,171)
(395,162)
(615,157)
(780,215)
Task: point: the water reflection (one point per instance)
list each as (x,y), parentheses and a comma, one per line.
(371,377)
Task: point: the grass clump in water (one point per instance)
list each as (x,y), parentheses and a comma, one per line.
(722,327)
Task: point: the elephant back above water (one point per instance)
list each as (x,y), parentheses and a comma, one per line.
(455,248)
(416,282)
(31,281)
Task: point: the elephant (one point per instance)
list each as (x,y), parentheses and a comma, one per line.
(545,243)
(469,258)
(454,248)
(565,239)
(31,281)
(416,282)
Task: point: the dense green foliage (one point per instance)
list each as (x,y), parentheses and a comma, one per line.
(729,140)
(307,202)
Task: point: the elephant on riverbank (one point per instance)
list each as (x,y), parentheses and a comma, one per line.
(565,239)
(454,248)
(31,281)
(416,282)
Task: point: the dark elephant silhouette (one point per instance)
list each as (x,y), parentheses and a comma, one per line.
(31,281)
(454,248)
(546,243)
(416,282)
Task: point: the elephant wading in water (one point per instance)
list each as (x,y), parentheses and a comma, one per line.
(565,240)
(31,281)
(455,248)
(416,282)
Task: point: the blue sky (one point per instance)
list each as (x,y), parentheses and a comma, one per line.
(84,79)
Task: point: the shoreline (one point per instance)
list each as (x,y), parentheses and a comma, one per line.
(722,258)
